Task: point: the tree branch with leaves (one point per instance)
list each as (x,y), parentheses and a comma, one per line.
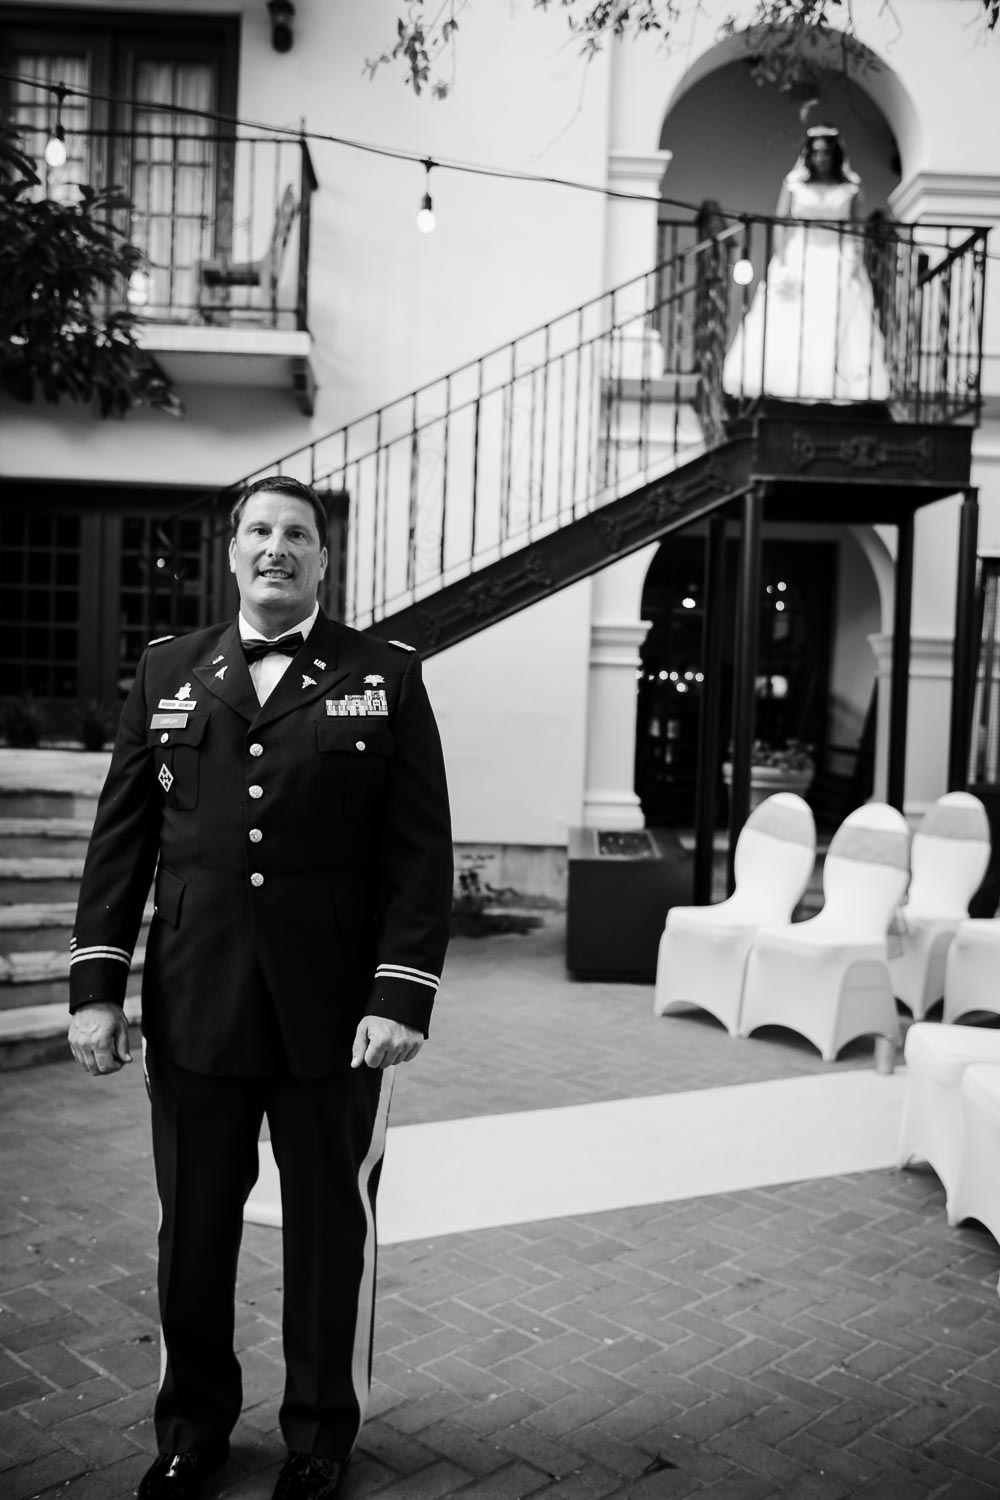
(785,38)
(65,326)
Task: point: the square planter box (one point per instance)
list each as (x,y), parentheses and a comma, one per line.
(621,886)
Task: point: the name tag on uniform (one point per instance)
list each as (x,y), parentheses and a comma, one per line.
(177,703)
(168,721)
(357,705)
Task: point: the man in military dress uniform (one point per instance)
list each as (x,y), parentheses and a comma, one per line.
(282,776)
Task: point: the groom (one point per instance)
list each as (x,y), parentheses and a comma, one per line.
(282,775)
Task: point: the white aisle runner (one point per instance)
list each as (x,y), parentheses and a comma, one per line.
(451,1176)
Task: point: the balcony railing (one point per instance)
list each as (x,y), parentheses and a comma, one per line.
(223,221)
(921,351)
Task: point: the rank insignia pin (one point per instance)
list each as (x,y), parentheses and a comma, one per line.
(374,680)
(222,671)
(308,681)
(320,664)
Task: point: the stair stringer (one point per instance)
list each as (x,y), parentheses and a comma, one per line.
(704,485)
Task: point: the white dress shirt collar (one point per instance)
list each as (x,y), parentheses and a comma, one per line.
(247,632)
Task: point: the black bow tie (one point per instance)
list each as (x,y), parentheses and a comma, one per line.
(286,644)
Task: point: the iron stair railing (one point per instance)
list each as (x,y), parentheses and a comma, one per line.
(609,401)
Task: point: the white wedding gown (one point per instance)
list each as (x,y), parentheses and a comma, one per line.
(814,310)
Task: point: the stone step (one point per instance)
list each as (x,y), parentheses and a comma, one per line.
(40,878)
(47,802)
(42,978)
(37,1033)
(45,838)
(28,926)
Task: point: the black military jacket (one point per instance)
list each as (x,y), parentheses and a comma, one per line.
(301,848)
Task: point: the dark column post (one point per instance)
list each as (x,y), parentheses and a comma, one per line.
(900,686)
(963,669)
(706,785)
(745,662)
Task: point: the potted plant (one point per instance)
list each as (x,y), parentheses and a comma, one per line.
(776,768)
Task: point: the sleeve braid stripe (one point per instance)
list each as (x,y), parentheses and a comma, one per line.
(400,971)
(120,955)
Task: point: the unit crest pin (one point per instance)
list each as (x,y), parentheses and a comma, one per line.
(184,691)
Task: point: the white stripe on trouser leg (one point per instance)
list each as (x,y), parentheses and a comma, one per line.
(361,1360)
(159,1223)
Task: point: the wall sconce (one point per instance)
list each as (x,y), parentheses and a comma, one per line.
(282,13)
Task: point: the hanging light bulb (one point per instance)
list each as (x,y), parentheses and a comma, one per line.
(55,148)
(743,272)
(425,218)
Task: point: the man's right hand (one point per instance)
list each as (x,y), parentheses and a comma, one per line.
(98,1038)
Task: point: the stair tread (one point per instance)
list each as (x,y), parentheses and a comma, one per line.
(29,1022)
(46,964)
(45,914)
(47,828)
(42,867)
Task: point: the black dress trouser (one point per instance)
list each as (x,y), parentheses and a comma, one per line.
(328,1136)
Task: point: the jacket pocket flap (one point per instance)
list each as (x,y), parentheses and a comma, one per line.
(167,896)
(354,737)
(191,733)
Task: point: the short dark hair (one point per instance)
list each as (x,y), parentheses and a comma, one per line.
(281,484)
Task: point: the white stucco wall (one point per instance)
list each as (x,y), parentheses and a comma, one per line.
(391,309)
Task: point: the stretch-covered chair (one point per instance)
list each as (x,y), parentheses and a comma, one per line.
(972,969)
(931,1126)
(948,859)
(828,978)
(703,950)
(977,1190)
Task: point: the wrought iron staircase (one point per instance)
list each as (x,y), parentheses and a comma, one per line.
(608,428)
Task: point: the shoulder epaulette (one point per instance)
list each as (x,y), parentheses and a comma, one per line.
(402,645)
(160,639)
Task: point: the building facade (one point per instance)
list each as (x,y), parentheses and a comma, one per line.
(288,294)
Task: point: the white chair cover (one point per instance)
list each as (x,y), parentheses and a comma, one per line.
(828,978)
(931,1127)
(972,969)
(950,853)
(703,950)
(977,1190)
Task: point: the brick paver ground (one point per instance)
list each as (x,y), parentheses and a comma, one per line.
(822,1339)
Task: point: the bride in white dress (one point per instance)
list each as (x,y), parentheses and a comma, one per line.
(814,310)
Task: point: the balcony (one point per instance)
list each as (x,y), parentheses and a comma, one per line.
(223,223)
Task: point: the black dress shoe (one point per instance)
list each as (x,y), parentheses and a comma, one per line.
(179,1476)
(306,1477)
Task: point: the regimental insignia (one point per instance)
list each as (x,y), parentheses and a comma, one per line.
(374,680)
(357,705)
(165,778)
(320,664)
(308,681)
(184,691)
(217,659)
(222,671)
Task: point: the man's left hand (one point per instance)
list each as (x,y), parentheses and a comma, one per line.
(379,1043)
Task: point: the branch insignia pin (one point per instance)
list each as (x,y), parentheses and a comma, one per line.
(308,681)
(222,671)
